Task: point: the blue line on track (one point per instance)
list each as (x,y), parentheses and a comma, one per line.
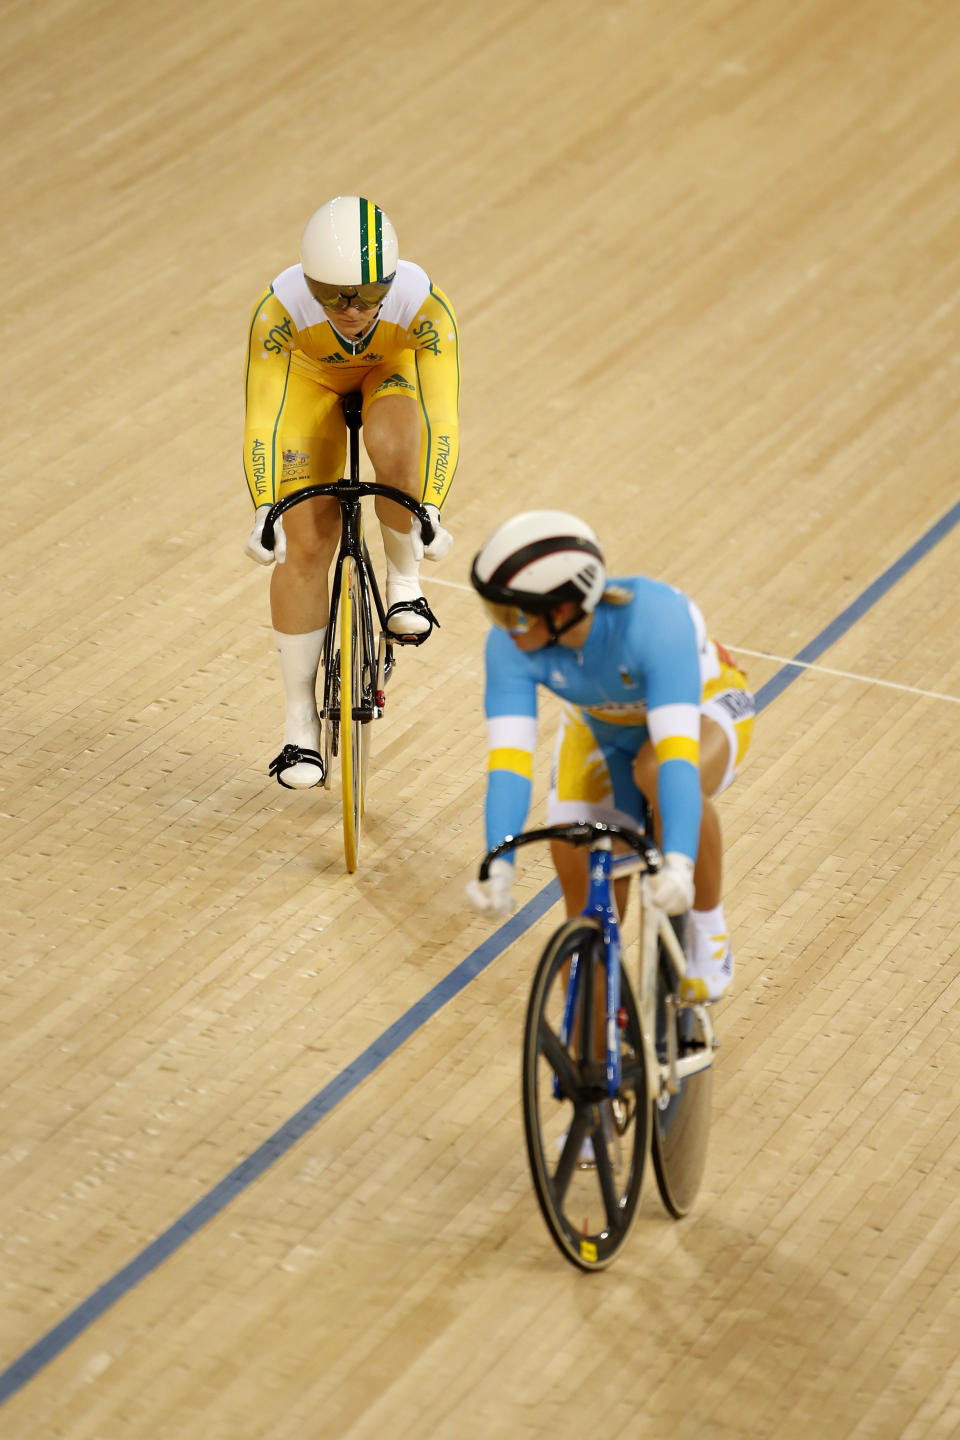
(855,611)
(49,1346)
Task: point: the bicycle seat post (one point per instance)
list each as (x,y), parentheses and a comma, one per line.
(353,415)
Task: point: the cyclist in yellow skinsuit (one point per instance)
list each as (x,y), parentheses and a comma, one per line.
(351,316)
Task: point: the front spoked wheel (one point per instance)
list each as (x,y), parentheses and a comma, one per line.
(586,1149)
(354,730)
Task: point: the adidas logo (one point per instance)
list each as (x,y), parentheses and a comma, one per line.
(724,954)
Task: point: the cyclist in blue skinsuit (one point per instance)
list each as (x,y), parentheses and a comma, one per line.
(650,704)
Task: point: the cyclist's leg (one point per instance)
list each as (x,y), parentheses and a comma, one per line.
(587,782)
(391,436)
(391,431)
(714,763)
(725,727)
(299,595)
(727,711)
(311,439)
(709,962)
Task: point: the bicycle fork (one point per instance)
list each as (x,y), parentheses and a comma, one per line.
(599,904)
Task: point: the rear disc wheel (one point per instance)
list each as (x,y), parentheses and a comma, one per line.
(681,1122)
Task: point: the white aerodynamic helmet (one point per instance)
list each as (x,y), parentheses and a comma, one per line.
(538,560)
(349,241)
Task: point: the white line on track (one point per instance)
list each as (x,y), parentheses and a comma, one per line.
(778,659)
(844,674)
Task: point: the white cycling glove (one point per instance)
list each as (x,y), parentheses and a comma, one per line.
(441,543)
(254,547)
(672,887)
(494,896)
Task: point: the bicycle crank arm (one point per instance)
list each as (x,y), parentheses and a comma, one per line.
(680,1067)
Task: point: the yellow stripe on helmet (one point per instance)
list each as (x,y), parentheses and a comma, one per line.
(371,242)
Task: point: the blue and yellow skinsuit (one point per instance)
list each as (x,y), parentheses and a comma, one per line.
(646,670)
(298,365)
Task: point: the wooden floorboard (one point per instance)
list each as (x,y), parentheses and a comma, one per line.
(706,263)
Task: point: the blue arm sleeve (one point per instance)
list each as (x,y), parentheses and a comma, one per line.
(510,701)
(508,801)
(678,793)
(673,680)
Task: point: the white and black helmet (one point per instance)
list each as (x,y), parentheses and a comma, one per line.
(538,560)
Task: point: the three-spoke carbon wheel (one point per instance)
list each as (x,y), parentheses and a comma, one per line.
(586,1149)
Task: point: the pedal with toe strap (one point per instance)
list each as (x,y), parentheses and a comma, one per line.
(292,755)
(412,607)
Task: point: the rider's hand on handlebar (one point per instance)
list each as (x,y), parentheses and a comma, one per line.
(254,547)
(494,896)
(672,887)
(442,540)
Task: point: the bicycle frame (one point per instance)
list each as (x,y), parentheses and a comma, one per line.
(349,492)
(642,1090)
(655,929)
(600,904)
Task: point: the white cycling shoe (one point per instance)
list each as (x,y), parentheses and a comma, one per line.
(412,616)
(299,766)
(709,967)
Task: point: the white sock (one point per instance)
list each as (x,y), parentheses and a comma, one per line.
(710,922)
(403,578)
(398,549)
(300,657)
(711,944)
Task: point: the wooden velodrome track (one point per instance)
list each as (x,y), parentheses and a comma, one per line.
(706,262)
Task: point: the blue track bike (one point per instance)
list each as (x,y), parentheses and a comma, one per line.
(614,1063)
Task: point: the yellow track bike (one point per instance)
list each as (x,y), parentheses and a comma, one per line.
(358,651)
